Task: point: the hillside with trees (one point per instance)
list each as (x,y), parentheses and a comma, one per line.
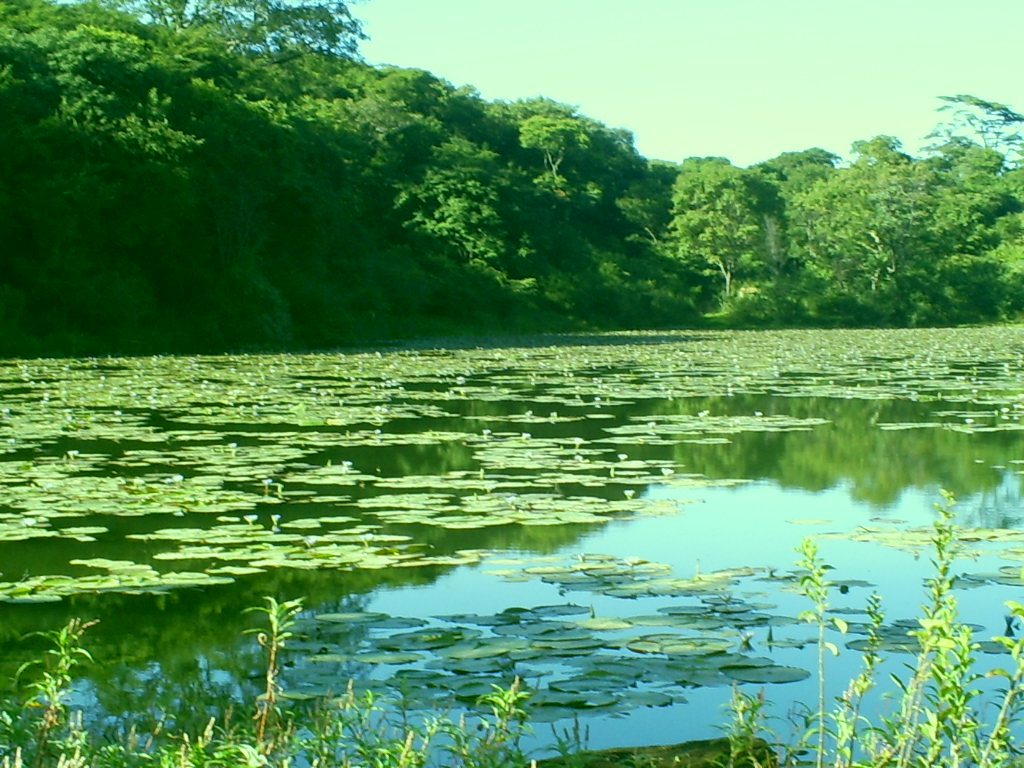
(228,174)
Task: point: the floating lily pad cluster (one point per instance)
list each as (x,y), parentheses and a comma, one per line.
(706,427)
(627,578)
(573,661)
(967,542)
(50,490)
(535,435)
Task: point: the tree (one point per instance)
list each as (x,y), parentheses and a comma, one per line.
(869,227)
(279,28)
(647,201)
(456,202)
(993,125)
(974,194)
(554,130)
(797,171)
(718,218)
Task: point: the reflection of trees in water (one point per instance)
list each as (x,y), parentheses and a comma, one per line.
(178,693)
(877,464)
(1001,506)
(185,687)
(182,652)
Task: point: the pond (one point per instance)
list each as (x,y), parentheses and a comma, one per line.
(611,518)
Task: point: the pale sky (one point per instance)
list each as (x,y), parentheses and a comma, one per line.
(745,79)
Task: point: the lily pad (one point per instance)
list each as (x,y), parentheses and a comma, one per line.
(766,674)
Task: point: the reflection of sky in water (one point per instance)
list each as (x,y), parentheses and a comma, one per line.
(756,524)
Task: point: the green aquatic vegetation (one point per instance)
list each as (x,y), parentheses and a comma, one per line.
(136,580)
(529,417)
(456,480)
(967,541)
(629,577)
(670,427)
(768,673)
(451,511)
(18,528)
(47,490)
(683,645)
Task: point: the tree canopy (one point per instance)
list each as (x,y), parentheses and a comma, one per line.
(228,174)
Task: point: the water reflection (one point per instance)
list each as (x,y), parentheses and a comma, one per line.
(858,447)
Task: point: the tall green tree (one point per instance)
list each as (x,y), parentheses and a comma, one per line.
(869,229)
(647,201)
(990,124)
(456,202)
(554,130)
(719,219)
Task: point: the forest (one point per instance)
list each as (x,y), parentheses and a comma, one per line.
(212,175)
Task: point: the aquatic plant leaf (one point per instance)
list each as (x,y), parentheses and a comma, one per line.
(766,674)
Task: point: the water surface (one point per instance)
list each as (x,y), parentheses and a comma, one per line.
(443,511)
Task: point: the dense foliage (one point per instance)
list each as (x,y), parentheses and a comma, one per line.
(888,239)
(227,174)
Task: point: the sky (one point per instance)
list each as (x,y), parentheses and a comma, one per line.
(743,79)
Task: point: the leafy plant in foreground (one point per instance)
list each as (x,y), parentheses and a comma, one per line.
(937,720)
(744,729)
(280,622)
(494,742)
(56,729)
